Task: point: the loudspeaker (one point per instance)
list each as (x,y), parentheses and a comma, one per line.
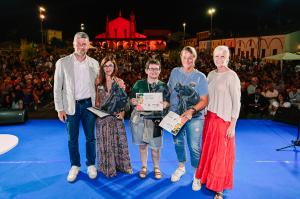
(288,115)
(13,116)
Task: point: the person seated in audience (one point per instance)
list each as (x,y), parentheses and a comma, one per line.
(28,96)
(244,98)
(281,101)
(294,94)
(257,103)
(270,93)
(252,86)
(16,101)
(6,102)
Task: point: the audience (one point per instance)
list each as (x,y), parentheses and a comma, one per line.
(280,101)
(28,84)
(257,103)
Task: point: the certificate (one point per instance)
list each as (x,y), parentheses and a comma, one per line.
(172,123)
(98,112)
(149,101)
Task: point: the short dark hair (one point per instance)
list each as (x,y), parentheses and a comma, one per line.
(152,61)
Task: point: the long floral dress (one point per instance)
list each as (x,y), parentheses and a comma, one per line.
(112,145)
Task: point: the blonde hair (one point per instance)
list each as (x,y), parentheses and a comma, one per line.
(191,50)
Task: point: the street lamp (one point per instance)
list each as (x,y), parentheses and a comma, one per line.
(183,24)
(211,12)
(82,27)
(42,17)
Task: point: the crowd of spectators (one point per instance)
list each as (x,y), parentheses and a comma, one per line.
(25,85)
(28,84)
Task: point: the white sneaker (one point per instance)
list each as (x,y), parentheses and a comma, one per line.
(92,171)
(177,174)
(73,173)
(196,186)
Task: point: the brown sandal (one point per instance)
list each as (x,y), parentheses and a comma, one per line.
(219,195)
(143,172)
(157,173)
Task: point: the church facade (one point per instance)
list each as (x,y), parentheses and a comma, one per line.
(121,34)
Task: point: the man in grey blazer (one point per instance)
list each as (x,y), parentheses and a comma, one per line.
(74,92)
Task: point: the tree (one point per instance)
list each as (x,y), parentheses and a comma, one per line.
(175,41)
(28,50)
(57,43)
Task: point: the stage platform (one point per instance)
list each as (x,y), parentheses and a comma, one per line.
(37,167)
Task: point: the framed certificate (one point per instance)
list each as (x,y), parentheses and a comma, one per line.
(150,101)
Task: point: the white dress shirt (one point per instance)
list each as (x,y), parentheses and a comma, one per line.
(82,78)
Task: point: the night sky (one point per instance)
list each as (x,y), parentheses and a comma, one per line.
(20,18)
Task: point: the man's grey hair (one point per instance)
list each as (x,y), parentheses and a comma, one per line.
(81,35)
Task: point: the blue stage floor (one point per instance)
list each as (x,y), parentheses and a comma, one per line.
(37,167)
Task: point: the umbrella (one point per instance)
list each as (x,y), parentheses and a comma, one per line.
(283,56)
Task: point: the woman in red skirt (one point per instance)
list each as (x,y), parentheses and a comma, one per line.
(218,142)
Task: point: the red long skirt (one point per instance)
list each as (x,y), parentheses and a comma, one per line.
(218,152)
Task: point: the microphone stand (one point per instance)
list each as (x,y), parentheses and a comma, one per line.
(294,142)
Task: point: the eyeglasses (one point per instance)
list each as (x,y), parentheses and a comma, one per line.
(108,65)
(154,69)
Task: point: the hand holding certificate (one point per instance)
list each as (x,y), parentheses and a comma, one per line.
(98,112)
(149,101)
(172,123)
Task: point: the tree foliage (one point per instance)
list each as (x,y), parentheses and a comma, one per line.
(28,50)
